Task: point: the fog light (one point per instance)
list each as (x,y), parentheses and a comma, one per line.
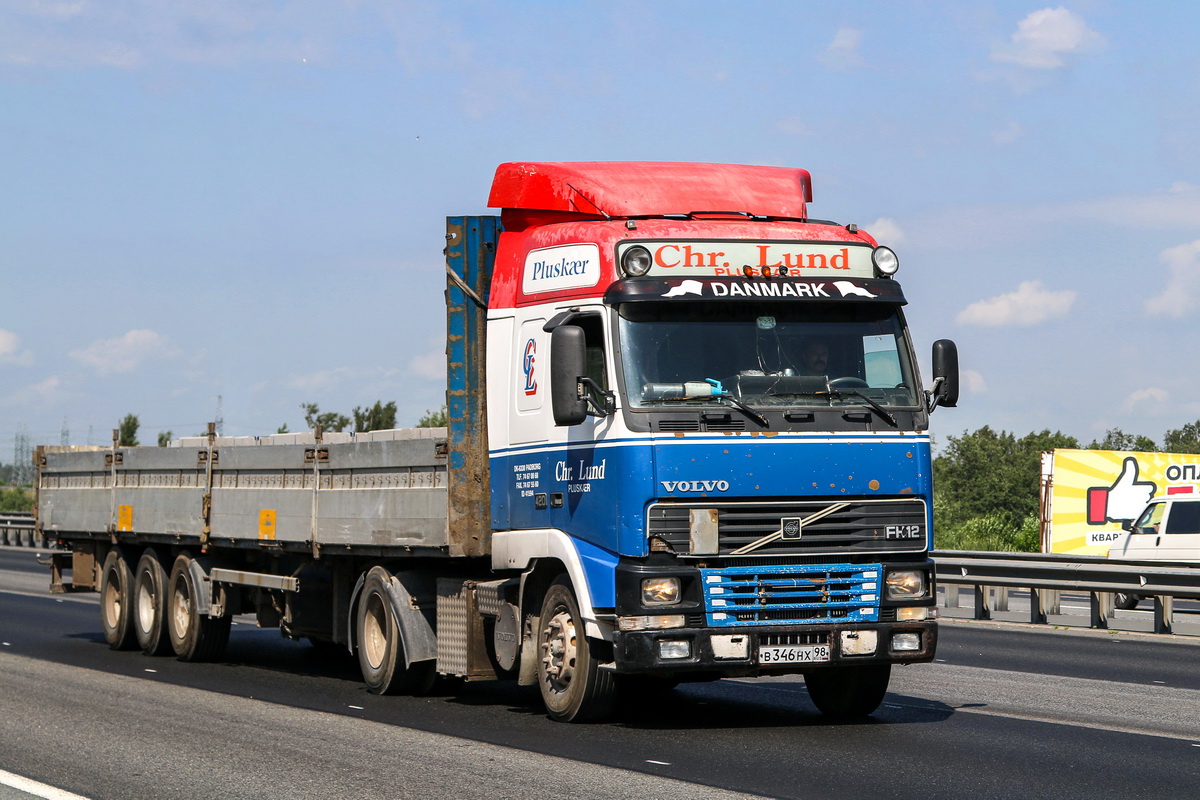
(906,642)
(913,613)
(674,648)
(886,262)
(650,623)
(660,591)
(636,261)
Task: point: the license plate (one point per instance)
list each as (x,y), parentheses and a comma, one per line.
(793,653)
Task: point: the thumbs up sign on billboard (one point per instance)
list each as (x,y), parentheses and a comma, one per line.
(1124,500)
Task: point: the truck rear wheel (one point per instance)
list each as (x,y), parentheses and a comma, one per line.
(194,636)
(381,656)
(573,686)
(843,692)
(116,602)
(1125,600)
(150,605)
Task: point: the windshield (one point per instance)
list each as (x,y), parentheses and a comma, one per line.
(766,354)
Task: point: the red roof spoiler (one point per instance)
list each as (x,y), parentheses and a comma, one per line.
(651,188)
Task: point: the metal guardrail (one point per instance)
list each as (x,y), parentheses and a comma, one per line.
(18,530)
(1046,576)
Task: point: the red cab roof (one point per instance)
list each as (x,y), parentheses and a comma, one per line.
(650,188)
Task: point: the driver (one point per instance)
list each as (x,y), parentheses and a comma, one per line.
(814,357)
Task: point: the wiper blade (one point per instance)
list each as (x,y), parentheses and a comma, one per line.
(883,412)
(718,391)
(747,410)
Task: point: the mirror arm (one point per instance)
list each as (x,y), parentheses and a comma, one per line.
(610,399)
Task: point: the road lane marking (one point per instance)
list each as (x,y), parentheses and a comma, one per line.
(36,789)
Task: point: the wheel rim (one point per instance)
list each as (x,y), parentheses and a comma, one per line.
(181,611)
(146,607)
(375,638)
(112,600)
(559,651)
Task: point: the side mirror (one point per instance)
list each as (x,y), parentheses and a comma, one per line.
(1127,525)
(945,374)
(568,363)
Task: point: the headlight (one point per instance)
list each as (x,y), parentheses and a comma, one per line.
(885,260)
(905,584)
(660,591)
(636,261)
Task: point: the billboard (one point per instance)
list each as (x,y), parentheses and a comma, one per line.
(1088,494)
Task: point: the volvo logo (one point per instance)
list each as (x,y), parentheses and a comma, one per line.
(790,528)
(695,486)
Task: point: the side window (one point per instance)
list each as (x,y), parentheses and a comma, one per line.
(1184,518)
(593,332)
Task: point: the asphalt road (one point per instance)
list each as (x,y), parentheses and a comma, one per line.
(1006,711)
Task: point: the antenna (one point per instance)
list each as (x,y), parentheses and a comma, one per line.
(64,437)
(22,458)
(220,420)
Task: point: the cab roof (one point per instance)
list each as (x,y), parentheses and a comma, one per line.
(651,188)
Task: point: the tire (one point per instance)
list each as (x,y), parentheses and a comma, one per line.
(1126,601)
(150,605)
(116,602)
(573,686)
(194,636)
(847,692)
(380,649)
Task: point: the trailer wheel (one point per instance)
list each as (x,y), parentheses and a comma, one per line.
(116,602)
(573,686)
(194,636)
(150,605)
(380,649)
(1126,601)
(844,692)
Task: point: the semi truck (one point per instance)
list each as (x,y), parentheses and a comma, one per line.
(686,440)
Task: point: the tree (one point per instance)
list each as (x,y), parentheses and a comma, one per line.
(994,476)
(1183,440)
(329,421)
(1117,439)
(433,419)
(164,438)
(378,417)
(127,431)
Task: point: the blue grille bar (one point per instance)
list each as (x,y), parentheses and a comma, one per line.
(774,595)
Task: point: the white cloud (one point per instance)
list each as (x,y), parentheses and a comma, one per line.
(125,353)
(1147,401)
(10,350)
(843,52)
(1011,132)
(1045,39)
(973,381)
(793,126)
(1031,304)
(1182,293)
(431,364)
(886,231)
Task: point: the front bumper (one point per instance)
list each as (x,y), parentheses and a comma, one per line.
(732,652)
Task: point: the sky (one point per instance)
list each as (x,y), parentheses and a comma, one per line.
(239,205)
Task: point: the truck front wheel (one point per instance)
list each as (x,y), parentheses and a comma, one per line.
(843,692)
(380,650)
(573,686)
(194,636)
(116,602)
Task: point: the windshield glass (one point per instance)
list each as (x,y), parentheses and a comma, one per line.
(765,354)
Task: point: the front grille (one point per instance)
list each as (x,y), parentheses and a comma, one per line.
(753,530)
(741,596)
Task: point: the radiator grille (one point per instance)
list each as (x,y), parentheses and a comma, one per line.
(847,527)
(742,596)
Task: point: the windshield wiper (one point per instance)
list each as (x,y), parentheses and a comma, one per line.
(720,393)
(883,412)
